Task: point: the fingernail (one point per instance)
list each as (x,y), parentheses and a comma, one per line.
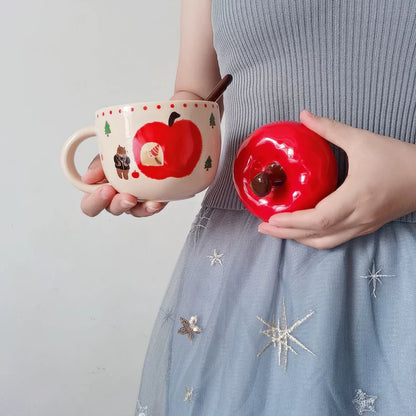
(260,229)
(127,204)
(274,221)
(152,207)
(309,114)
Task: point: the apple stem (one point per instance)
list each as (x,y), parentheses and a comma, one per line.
(173,116)
(272,176)
(260,184)
(276,174)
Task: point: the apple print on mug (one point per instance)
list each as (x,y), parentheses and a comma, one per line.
(162,151)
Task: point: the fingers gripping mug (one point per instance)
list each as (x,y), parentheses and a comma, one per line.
(160,151)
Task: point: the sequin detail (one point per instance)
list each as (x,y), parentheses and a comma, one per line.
(364,402)
(189,327)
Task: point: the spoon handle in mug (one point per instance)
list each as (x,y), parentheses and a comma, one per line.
(220,88)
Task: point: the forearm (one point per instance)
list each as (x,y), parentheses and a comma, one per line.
(185,95)
(405,171)
(197,72)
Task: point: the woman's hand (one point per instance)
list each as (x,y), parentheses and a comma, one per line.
(380,187)
(106,197)
(197,74)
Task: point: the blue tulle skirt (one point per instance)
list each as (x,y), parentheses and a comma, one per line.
(253,325)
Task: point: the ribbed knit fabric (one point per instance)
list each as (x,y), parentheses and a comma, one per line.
(350,60)
(275,327)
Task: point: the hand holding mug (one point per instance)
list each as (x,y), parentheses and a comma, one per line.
(107,198)
(155,151)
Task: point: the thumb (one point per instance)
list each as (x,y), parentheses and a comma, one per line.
(331,130)
(94,173)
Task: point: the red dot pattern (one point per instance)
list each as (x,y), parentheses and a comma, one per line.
(157,106)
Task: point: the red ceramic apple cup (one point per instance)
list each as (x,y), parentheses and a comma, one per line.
(283,167)
(160,151)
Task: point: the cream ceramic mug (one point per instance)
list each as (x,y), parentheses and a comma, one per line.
(160,151)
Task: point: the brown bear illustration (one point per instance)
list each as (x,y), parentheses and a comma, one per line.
(122,162)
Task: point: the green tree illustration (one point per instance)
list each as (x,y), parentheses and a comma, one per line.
(208,163)
(212,120)
(107,129)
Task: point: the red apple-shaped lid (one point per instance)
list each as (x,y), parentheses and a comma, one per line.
(283,166)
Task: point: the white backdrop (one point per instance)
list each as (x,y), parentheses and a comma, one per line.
(78,295)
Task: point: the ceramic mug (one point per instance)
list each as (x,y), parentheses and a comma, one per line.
(161,151)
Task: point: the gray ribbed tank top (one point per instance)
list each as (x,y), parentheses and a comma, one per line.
(351,60)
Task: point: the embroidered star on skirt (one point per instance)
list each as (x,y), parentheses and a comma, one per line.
(280,335)
(374,277)
(189,327)
(140,410)
(189,394)
(216,258)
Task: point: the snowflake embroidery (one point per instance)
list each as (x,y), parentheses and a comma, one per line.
(203,222)
(374,277)
(140,410)
(200,224)
(364,402)
(280,335)
(189,327)
(189,394)
(167,315)
(216,258)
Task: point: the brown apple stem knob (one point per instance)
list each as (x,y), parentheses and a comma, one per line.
(272,176)
(260,184)
(276,174)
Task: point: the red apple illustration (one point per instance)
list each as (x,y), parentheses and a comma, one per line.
(283,166)
(167,150)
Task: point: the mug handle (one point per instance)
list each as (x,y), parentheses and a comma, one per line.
(68,156)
